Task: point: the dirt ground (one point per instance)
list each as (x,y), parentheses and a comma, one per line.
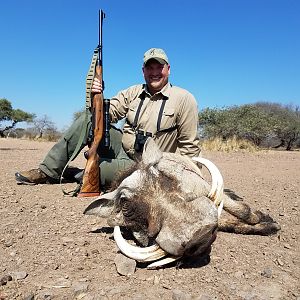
(50,250)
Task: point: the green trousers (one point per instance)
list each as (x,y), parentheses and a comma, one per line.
(113,159)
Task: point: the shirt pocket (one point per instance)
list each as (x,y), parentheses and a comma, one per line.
(132,111)
(168,119)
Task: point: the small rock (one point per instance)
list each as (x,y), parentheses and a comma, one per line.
(19,275)
(80,289)
(250,296)
(5,279)
(180,295)
(95,251)
(125,266)
(62,283)
(8,243)
(233,287)
(67,240)
(45,295)
(29,297)
(138,297)
(19,261)
(267,272)
(156,280)
(55,266)
(280,262)
(238,274)
(204,297)
(84,279)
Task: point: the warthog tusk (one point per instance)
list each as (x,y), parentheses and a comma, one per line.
(217,183)
(163,262)
(151,253)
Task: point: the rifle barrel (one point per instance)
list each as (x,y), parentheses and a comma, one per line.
(101,17)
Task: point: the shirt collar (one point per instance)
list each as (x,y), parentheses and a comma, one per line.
(165,91)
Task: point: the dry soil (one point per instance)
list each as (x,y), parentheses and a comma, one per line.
(50,250)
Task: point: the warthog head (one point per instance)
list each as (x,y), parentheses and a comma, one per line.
(164,198)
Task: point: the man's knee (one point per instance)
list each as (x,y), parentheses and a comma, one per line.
(109,169)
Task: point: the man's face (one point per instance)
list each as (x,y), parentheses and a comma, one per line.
(156,75)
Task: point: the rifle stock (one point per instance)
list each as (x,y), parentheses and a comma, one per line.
(91,177)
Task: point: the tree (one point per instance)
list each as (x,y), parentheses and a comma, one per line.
(253,123)
(243,122)
(5,110)
(287,122)
(43,124)
(7,113)
(216,123)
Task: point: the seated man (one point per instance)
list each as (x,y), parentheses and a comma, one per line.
(158,109)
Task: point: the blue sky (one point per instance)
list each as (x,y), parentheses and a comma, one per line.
(226,52)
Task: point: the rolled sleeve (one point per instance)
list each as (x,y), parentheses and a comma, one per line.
(119,104)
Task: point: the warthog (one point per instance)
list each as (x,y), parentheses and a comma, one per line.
(164,198)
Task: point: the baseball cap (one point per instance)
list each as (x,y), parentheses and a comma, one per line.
(157,54)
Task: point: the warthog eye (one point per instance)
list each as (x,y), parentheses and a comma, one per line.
(123,199)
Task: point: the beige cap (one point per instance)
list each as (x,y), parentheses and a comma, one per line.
(157,54)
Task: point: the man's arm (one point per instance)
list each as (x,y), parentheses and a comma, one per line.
(188,139)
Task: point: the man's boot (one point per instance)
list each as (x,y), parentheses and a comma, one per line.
(34,176)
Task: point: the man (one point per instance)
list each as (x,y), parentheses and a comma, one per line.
(156,109)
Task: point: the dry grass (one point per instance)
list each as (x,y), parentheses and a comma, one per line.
(45,138)
(232,144)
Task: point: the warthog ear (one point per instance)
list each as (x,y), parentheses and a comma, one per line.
(100,207)
(151,154)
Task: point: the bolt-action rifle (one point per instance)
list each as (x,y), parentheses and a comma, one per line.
(100,123)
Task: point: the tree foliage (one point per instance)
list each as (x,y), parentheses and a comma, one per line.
(287,127)
(254,122)
(43,124)
(5,110)
(8,114)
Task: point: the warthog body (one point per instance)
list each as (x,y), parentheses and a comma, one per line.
(165,198)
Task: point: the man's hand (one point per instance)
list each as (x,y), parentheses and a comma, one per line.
(97,86)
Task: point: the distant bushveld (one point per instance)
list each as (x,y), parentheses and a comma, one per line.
(263,124)
(248,127)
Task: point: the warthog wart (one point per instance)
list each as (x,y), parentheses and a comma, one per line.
(164,198)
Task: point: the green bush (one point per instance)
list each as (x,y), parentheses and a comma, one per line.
(254,122)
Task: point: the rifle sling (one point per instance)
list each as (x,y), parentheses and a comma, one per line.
(89,79)
(159,118)
(88,104)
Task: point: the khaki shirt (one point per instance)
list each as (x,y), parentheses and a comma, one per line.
(180,110)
